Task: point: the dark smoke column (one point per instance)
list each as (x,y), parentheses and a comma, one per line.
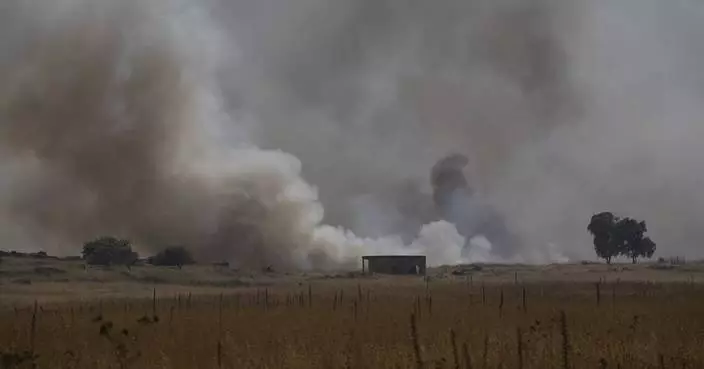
(457,203)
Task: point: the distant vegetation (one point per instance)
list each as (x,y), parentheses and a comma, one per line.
(36,255)
(172,256)
(615,236)
(109,251)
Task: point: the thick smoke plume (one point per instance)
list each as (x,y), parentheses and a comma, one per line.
(458,203)
(195,123)
(113,123)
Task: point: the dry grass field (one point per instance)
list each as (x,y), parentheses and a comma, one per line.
(488,317)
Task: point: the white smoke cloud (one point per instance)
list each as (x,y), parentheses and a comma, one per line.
(442,244)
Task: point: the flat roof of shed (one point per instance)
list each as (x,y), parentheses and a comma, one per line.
(392,256)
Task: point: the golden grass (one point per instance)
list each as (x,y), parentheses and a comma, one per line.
(405,325)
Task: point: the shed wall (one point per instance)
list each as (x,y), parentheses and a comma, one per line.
(396,265)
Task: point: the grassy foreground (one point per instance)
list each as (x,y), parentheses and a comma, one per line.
(409,324)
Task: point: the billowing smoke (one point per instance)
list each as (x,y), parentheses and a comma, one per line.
(391,87)
(458,203)
(202,123)
(113,123)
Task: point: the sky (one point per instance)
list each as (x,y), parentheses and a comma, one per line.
(301,133)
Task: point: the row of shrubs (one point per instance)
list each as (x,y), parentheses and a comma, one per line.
(19,254)
(114,251)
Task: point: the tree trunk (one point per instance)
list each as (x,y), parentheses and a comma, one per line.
(634,259)
(608,260)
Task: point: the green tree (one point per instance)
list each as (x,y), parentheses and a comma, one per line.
(615,236)
(602,227)
(109,251)
(172,256)
(632,240)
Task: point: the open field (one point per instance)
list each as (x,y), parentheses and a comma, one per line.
(25,279)
(469,317)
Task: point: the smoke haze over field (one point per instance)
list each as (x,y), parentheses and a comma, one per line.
(220,124)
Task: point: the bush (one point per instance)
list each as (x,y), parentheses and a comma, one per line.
(109,251)
(172,256)
(39,255)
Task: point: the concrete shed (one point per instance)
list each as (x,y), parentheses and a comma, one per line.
(394,264)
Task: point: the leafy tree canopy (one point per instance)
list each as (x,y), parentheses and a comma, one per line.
(109,251)
(172,256)
(615,236)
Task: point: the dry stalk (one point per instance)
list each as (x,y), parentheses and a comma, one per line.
(565,341)
(519,348)
(219,345)
(501,303)
(485,354)
(33,334)
(467,356)
(416,343)
(455,353)
(598,293)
